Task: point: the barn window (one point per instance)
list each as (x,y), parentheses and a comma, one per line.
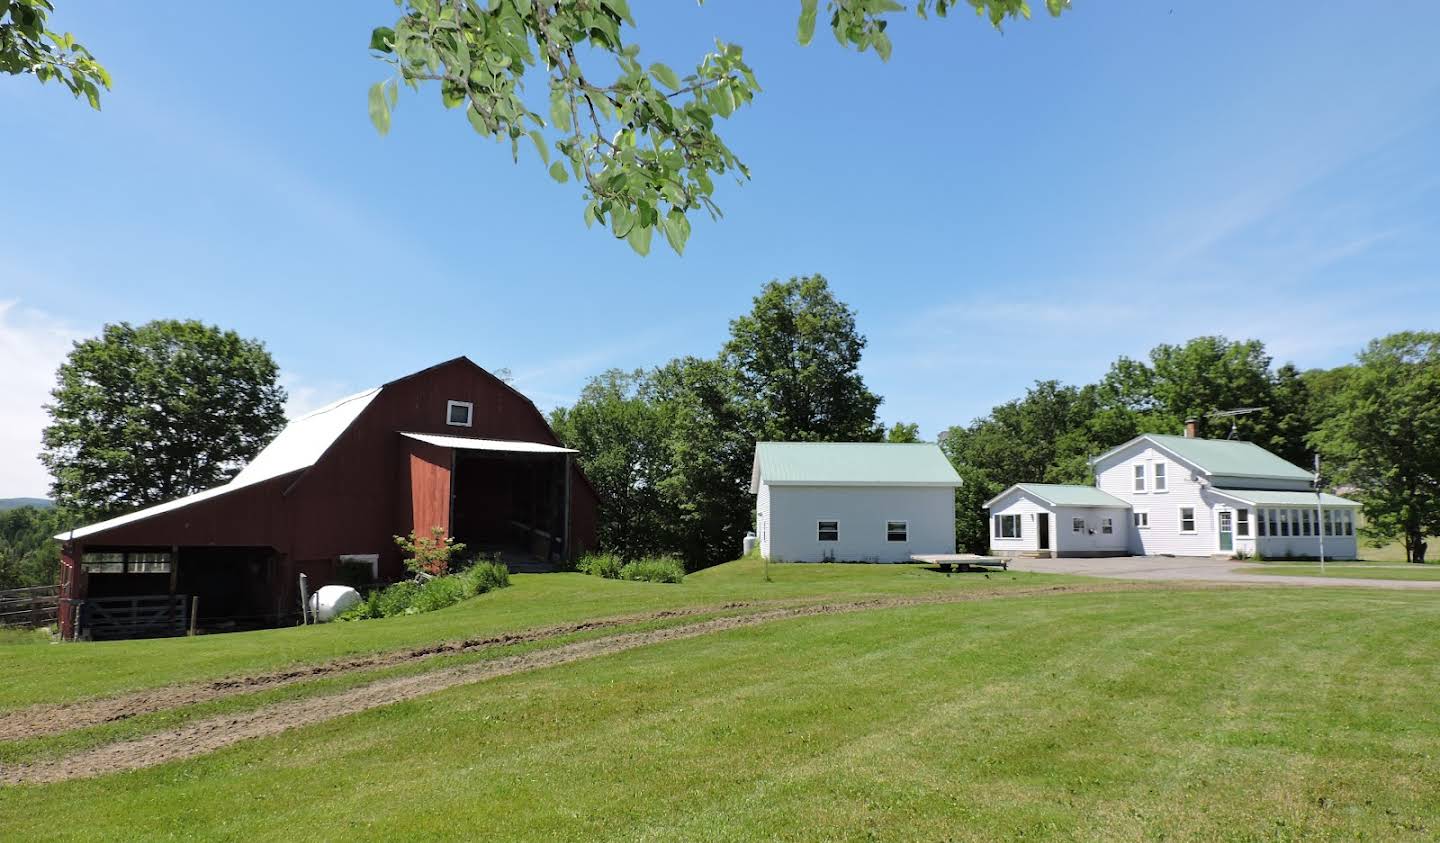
(897,531)
(459,413)
(828,531)
(103,563)
(1187,519)
(148,563)
(1077,525)
(1142,520)
(1140,477)
(1242,523)
(1009,526)
(1160,481)
(1107,526)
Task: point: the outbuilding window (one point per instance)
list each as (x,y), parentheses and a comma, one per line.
(1009,526)
(897,531)
(459,413)
(1077,525)
(1107,526)
(1187,519)
(828,531)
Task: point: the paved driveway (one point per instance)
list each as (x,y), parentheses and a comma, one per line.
(1199,568)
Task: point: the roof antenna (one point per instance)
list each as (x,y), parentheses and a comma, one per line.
(1232,415)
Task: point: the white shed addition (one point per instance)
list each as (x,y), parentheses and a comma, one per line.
(852,501)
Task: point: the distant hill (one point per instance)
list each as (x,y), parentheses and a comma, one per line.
(16,503)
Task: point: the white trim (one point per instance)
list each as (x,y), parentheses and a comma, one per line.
(1136,515)
(905,528)
(1160,473)
(1139,480)
(469,413)
(1194,520)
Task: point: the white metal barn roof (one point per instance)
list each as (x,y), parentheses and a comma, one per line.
(468,443)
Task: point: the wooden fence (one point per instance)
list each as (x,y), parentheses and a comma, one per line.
(148,616)
(30,607)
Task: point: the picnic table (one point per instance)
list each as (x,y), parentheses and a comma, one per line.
(962,561)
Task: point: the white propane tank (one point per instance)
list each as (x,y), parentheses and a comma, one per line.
(331,600)
(748,544)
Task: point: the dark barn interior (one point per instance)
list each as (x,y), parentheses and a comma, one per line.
(513,504)
(135,592)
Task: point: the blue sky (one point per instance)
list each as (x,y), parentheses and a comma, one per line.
(997,208)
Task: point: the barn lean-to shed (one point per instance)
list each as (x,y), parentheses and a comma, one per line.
(451,447)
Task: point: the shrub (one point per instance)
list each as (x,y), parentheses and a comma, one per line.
(605,565)
(439,593)
(429,554)
(660,569)
(485,575)
(395,599)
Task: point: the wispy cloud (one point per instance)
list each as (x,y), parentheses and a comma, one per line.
(33,343)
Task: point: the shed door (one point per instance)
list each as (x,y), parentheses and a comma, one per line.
(1042,528)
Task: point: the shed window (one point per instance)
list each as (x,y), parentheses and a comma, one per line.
(459,413)
(1107,526)
(1140,477)
(1160,481)
(828,531)
(103,563)
(897,531)
(1077,525)
(1187,519)
(1242,523)
(1009,526)
(1142,520)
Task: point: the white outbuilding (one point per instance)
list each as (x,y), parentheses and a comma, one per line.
(852,501)
(1043,519)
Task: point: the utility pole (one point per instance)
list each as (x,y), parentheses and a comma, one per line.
(1319,512)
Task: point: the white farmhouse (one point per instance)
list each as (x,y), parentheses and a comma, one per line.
(1177,495)
(852,501)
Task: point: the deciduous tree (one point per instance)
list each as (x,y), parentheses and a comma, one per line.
(28,46)
(144,415)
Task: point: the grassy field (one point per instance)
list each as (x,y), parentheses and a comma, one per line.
(1350,570)
(62,672)
(1391,552)
(1208,714)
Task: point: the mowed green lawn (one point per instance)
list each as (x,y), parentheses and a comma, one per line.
(1350,570)
(48,673)
(1265,714)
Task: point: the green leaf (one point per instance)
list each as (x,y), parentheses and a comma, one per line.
(677,229)
(539,141)
(806,31)
(557,172)
(639,239)
(665,76)
(379,108)
(381,38)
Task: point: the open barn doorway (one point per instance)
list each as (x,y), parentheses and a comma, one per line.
(515,504)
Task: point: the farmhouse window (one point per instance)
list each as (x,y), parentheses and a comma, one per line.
(1107,526)
(1260,522)
(459,413)
(1160,480)
(1187,519)
(1009,526)
(828,531)
(1305,522)
(1242,523)
(1077,525)
(1274,521)
(1329,530)
(1142,520)
(897,531)
(1349,523)
(1140,477)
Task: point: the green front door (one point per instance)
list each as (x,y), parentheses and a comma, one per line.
(1227,530)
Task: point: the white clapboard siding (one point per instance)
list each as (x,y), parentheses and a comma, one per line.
(794,514)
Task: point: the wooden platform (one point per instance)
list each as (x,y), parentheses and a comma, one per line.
(961,561)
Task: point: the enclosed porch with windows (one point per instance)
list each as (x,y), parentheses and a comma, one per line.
(1281,525)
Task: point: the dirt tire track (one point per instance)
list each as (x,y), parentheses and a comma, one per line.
(205,736)
(57,718)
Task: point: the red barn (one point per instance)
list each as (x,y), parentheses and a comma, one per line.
(452,447)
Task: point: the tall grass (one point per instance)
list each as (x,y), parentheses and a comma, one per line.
(410,598)
(659,569)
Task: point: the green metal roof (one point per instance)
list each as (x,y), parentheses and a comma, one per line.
(1230,458)
(1060,494)
(851,463)
(1265,497)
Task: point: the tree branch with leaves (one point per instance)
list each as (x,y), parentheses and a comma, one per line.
(27,46)
(641,142)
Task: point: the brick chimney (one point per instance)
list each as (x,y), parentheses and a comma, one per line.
(1192,428)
